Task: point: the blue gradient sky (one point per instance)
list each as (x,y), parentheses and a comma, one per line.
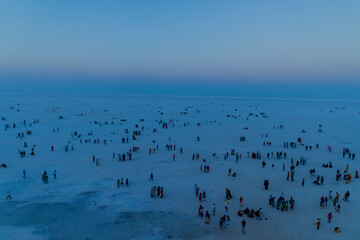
(182,41)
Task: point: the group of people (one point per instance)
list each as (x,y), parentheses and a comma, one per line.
(258,214)
(206,168)
(120,182)
(157,192)
(281,203)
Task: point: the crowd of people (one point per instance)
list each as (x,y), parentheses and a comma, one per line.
(281,203)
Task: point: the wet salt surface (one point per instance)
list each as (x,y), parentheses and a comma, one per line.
(75,221)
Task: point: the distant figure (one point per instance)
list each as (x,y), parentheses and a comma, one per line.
(8,196)
(243,224)
(317,222)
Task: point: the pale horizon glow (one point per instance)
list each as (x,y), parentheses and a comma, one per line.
(254,41)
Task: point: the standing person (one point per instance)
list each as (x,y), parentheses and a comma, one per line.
(54,174)
(329,217)
(243,224)
(241,201)
(338,207)
(201,211)
(207,217)
(151,177)
(317,222)
(260,214)
(303,182)
(213,209)
(122,182)
(292,203)
(24,173)
(118,183)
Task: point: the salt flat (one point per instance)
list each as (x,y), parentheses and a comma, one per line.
(84,202)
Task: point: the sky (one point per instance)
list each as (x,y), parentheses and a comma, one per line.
(204,42)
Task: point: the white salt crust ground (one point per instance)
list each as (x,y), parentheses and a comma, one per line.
(84,202)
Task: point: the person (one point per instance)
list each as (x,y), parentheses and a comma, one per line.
(317,222)
(151,177)
(201,211)
(345,196)
(292,203)
(227,220)
(222,219)
(329,217)
(213,209)
(243,224)
(122,182)
(303,182)
(118,183)
(260,214)
(266,184)
(24,173)
(207,217)
(241,201)
(8,196)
